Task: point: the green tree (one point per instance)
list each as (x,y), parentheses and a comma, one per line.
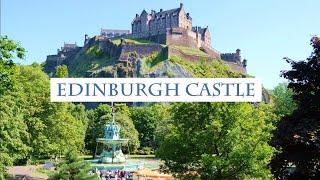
(73,168)
(32,97)
(13,134)
(97,119)
(102,115)
(283,101)
(150,123)
(9,50)
(52,128)
(128,130)
(218,141)
(298,134)
(64,131)
(62,71)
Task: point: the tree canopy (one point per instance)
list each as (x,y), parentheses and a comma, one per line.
(9,50)
(283,100)
(73,168)
(150,122)
(62,71)
(32,126)
(218,141)
(297,135)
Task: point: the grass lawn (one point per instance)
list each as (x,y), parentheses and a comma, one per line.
(191,51)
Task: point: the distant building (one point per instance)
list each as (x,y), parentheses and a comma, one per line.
(69,47)
(156,22)
(172,27)
(111,33)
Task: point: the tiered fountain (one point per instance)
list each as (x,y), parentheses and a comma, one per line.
(112,157)
(112,143)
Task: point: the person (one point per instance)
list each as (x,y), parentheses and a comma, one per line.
(98,174)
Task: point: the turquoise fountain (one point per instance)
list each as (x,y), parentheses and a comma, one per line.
(112,157)
(112,144)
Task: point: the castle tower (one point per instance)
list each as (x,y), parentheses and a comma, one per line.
(86,39)
(238,56)
(244,63)
(238,51)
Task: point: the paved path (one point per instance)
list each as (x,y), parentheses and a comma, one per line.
(28,172)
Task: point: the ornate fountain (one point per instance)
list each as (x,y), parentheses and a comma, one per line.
(112,157)
(111,144)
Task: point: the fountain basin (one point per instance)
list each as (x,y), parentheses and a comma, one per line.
(131,164)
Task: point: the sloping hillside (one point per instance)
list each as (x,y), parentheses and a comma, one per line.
(140,58)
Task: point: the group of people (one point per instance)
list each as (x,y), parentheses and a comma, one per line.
(112,174)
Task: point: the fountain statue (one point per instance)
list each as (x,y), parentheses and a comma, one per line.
(112,143)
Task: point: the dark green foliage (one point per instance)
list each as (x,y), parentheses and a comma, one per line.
(218,141)
(73,168)
(304,79)
(128,129)
(97,119)
(150,122)
(298,134)
(283,101)
(33,127)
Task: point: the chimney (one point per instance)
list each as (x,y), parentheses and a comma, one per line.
(181,5)
(161,10)
(137,15)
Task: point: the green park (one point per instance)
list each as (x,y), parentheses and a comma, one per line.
(277,138)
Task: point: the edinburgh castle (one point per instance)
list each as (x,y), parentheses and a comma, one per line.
(166,30)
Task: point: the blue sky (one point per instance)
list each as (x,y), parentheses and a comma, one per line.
(265,31)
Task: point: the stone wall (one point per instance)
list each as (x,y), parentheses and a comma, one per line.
(211,52)
(61,57)
(232,57)
(157,38)
(141,50)
(181,37)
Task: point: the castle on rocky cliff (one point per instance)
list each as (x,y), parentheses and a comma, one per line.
(172,27)
(168,29)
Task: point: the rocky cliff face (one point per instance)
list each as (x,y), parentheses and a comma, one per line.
(102,57)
